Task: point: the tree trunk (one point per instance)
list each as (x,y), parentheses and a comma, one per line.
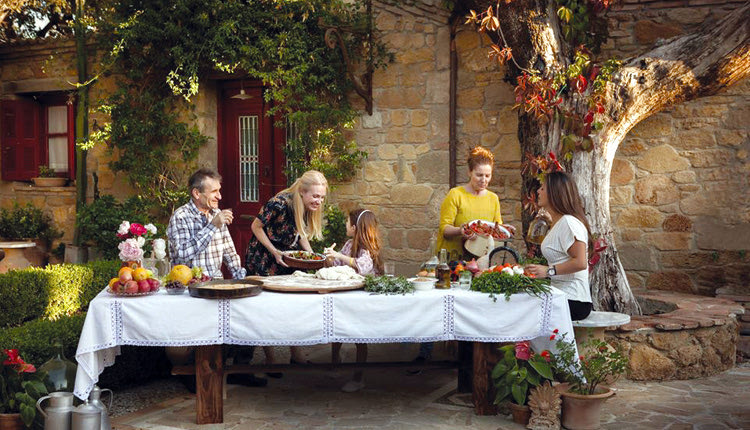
(685,68)
(82,116)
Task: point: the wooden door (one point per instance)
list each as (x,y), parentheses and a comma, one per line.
(251,157)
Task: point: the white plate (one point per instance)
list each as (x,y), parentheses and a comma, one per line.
(423,285)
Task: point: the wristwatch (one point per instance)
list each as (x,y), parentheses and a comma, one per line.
(551,271)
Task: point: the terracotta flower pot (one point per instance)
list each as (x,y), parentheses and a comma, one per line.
(583,411)
(521,413)
(49,182)
(11,422)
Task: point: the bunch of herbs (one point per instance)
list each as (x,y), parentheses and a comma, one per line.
(388,285)
(506,284)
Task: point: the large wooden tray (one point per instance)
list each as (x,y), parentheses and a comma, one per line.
(295,284)
(226,289)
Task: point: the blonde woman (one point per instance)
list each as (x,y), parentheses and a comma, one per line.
(287,222)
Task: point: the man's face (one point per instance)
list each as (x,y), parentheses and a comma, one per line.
(209,197)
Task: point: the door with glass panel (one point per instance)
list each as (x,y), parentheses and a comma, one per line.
(250,156)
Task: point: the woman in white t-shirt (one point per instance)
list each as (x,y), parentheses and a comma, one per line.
(566,244)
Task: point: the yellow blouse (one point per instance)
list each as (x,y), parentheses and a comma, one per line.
(459,207)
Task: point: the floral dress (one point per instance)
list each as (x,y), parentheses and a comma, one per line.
(277,217)
(365,265)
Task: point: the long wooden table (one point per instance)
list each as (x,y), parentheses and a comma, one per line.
(348,317)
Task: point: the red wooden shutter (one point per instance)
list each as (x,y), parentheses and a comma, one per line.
(20,139)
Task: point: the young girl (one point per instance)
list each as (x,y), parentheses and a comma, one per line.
(361,252)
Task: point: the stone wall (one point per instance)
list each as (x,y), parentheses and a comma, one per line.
(50,67)
(679,195)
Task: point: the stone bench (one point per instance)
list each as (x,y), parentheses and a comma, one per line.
(594,325)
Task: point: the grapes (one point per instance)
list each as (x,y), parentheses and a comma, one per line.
(174,284)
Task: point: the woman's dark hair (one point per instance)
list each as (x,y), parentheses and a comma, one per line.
(563,197)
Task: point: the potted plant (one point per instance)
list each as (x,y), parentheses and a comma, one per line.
(516,374)
(48,178)
(20,387)
(31,230)
(583,392)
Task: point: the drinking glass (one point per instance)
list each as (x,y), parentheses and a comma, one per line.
(389,268)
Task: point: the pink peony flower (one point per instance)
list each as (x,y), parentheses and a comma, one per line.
(137,229)
(129,250)
(522,350)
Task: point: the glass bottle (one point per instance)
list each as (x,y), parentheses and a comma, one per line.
(443,271)
(538,228)
(61,372)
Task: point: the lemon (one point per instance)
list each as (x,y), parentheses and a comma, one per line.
(180,273)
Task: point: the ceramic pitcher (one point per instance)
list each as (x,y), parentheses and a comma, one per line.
(57,416)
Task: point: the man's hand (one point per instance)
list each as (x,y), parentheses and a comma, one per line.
(222,218)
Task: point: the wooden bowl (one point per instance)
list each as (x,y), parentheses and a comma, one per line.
(303,263)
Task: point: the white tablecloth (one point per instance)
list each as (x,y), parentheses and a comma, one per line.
(307,319)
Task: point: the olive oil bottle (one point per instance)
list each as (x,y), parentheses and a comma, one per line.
(443,272)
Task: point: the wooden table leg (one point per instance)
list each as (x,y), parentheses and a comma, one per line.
(483,402)
(209,378)
(465,366)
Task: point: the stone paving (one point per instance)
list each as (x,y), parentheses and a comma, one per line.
(394,400)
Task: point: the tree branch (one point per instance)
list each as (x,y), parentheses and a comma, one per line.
(685,68)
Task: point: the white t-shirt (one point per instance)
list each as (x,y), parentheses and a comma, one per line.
(555,247)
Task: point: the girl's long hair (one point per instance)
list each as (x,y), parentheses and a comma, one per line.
(563,197)
(308,223)
(366,236)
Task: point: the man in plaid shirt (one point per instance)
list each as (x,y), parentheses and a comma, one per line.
(198,236)
(198,233)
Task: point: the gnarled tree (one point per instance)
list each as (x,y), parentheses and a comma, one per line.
(681,69)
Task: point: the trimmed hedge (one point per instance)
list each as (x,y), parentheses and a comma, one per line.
(35,340)
(51,292)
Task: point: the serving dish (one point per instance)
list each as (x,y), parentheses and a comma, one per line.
(225,289)
(423,283)
(488,228)
(303,259)
(147,293)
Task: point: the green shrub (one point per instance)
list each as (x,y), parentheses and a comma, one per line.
(27,222)
(103,271)
(98,222)
(334,229)
(49,292)
(35,340)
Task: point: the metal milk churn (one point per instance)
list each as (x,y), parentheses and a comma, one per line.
(57,415)
(87,417)
(95,398)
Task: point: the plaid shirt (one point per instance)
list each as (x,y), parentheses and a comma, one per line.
(194,241)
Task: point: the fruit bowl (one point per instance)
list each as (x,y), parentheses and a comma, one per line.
(119,293)
(175,287)
(303,259)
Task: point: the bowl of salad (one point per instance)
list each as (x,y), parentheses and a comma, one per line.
(303,259)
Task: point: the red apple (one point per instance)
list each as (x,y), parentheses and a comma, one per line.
(144,286)
(153,283)
(131,287)
(120,287)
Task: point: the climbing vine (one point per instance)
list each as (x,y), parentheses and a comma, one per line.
(164,49)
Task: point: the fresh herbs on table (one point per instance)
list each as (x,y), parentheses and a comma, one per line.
(507,284)
(388,285)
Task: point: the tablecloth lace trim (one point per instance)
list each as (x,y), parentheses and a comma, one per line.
(116,308)
(224,314)
(449,328)
(546,316)
(328,317)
